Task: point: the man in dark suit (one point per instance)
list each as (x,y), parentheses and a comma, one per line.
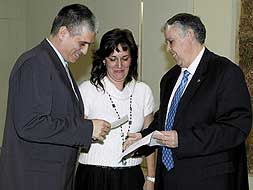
(204,115)
(45,123)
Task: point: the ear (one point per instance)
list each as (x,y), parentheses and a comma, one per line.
(191,34)
(63,32)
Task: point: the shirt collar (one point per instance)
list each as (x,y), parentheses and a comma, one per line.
(192,68)
(65,63)
(113,91)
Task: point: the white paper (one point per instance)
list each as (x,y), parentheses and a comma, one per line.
(147,140)
(119,122)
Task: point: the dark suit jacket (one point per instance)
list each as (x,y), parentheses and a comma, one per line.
(44,125)
(213,120)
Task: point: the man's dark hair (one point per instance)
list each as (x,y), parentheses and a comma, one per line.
(75,17)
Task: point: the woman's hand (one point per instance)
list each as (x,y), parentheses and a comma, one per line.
(131,138)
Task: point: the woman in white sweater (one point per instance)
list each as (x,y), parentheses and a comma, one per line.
(112,93)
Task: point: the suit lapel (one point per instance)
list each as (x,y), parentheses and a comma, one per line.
(59,66)
(80,102)
(57,63)
(196,81)
(166,90)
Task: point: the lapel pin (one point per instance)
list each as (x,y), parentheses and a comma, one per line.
(198,80)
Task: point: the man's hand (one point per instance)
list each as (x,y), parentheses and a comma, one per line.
(169,138)
(100,129)
(131,138)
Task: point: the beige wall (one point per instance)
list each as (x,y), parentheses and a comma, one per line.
(12,42)
(220,18)
(25,23)
(155,60)
(40,15)
(111,14)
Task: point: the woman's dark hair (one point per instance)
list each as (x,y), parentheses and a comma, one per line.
(109,42)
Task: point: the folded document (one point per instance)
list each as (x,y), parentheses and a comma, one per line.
(119,122)
(147,140)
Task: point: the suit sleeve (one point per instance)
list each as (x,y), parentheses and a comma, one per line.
(147,150)
(155,125)
(228,127)
(33,105)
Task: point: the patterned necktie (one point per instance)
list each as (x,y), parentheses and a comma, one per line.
(166,152)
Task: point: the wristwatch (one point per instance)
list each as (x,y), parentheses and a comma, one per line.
(152,179)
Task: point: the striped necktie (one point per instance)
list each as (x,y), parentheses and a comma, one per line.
(167,158)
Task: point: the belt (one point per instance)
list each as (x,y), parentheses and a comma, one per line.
(111,168)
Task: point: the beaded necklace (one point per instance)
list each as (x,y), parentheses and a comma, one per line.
(123,136)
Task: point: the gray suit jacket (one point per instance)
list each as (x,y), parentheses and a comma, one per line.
(44,125)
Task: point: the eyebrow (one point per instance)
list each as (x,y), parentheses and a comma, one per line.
(122,56)
(85,42)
